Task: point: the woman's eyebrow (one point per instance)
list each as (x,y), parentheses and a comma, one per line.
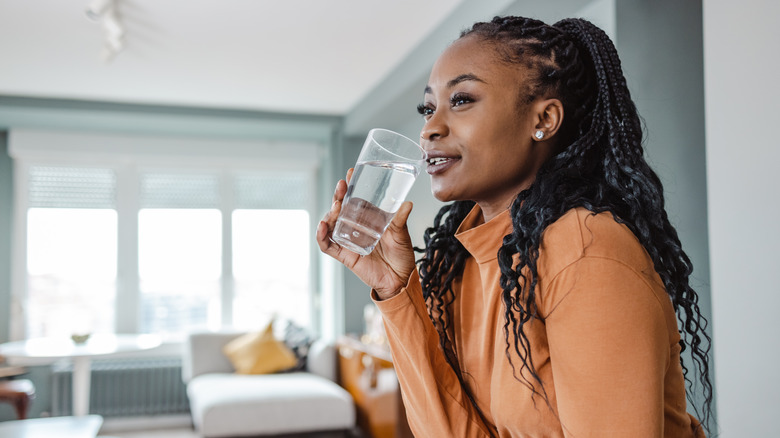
(457,80)
(464,78)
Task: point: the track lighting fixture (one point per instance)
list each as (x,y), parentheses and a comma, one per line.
(106,13)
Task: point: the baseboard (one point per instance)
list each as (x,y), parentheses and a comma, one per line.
(121,424)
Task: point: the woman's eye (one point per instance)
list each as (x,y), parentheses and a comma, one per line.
(426,110)
(460,99)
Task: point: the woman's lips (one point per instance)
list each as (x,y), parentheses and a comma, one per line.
(438,165)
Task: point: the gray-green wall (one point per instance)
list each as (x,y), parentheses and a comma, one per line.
(39,375)
(6,203)
(660,46)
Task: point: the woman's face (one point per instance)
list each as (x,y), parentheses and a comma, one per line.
(477,133)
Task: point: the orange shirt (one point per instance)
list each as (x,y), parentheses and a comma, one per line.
(606,346)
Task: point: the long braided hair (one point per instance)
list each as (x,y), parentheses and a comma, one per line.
(600,167)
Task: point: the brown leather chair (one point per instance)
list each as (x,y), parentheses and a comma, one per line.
(19,392)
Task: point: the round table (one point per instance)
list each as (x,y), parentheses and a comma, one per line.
(42,351)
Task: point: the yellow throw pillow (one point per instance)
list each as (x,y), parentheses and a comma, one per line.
(259,353)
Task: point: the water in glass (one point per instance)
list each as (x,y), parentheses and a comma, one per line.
(376,191)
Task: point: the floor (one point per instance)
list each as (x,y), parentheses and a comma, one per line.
(187,432)
(181,432)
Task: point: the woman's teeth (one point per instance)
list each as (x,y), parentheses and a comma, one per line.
(435,161)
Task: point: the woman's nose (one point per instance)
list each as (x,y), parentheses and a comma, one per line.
(434,128)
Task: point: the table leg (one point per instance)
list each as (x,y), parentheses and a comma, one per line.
(81,383)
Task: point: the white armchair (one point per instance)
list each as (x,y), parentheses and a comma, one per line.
(226,404)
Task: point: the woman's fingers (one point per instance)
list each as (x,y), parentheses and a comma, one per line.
(401,216)
(388,267)
(397,230)
(326,225)
(335,208)
(324,241)
(341,186)
(341,190)
(322,234)
(333,249)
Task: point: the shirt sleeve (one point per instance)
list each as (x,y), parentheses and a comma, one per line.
(435,402)
(609,350)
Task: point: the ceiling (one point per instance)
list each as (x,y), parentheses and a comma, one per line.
(291,56)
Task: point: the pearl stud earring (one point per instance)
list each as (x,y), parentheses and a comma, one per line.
(539,135)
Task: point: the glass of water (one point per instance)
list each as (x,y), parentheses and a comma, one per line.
(385,171)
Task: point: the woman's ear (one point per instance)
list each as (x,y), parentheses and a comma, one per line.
(548,116)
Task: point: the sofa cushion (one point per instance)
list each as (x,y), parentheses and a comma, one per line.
(259,353)
(299,340)
(235,405)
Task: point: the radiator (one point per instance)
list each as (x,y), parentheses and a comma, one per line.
(125,388)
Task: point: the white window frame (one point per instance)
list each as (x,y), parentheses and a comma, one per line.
(130,154)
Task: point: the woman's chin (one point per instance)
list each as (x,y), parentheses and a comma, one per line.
(443,195)
(439,196)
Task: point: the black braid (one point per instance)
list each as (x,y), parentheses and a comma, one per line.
(601,167)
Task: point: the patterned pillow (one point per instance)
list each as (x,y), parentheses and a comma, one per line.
(298,339)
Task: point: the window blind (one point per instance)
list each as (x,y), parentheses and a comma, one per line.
(271,191)
(175,190)
(71,187)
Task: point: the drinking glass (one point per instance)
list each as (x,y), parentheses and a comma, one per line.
(385,171)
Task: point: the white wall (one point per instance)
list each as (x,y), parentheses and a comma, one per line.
(742,108)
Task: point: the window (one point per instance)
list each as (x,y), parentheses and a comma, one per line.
(271,248)
(163,248)
(179,266)
(270,265)
(72,270)
(71,250)
(179,251)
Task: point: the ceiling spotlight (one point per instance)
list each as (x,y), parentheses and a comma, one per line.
(97,8)
(112,28)
(106,13)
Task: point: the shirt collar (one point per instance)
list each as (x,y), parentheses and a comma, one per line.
(483,240)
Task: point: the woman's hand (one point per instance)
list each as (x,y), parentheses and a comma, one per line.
(387,268)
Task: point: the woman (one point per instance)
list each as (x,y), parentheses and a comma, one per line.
(547,298)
